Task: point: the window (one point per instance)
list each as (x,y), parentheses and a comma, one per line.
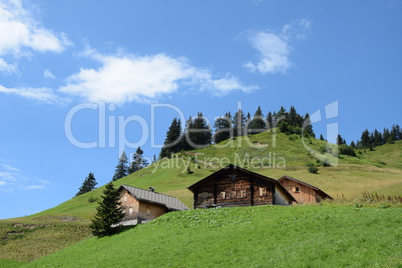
(243,194)
(263,191)
(233,195)
(223,195)
(232,177)
(295,189)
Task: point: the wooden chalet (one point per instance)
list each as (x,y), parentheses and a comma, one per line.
(233,186)
(143,205)
(303,192)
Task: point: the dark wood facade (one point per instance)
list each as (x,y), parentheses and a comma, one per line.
(233,186)
(303,192)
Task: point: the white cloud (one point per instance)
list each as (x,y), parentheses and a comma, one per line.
(274,49)
(33,187)
(48,74)
(21,33)
(6,67)
(12,178)
(126,78)
(37,94)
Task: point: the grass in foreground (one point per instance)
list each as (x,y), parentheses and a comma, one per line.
(299,236)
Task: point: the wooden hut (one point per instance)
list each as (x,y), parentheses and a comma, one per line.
(233,186)
(143,205)
(303,192)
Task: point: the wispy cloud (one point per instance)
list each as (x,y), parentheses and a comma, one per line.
(48,74)
(12,178)
(274,48)
(126,77)
(43,95)
(21,34)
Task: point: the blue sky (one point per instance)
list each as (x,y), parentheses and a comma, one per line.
(102,75)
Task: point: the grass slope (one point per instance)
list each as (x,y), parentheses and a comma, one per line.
(302,236)
(376,171)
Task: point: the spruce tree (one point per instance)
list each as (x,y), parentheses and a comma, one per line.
(366,140)
(339,140)
(88,184)
(322,137)
(138,161)
(257,124)
(270,120)
(223,128)
(200,134)
(239,121)
(108,212)
(121,168)
(172,142)
(308,127)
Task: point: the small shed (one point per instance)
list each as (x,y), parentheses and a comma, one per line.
(143,205)
(233,186)
(303,192)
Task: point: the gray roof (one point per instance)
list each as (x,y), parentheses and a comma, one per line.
(170,202)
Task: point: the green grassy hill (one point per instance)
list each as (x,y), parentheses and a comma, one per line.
(380,171)
(266,236)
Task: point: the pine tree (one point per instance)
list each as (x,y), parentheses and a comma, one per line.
(121,168)
(138,161)
(365,139)
(308,127)
(107,213)
(223,128)
(239,121)
(270,121)
(200,134)
(353,145)
(88,184)
(172,142)
(184,143)
(257,124)
(339,140)
(322,137)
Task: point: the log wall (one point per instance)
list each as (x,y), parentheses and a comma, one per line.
(232,189)
(302,193)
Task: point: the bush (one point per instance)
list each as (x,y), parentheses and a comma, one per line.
(92,199)
(346,150)
(312,169)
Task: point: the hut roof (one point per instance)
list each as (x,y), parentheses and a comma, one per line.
(170,202)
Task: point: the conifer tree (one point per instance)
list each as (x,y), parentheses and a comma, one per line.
(185,145)
(121,168)
(322,137)
(138,161)
(88,184)
(108,212)
(270,121)
(339,140)
(257,124)
(365,139)
(172,142)
(239,121)
(200,134)
(223,128)
(308,128)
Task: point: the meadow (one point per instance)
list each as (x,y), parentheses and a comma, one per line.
(380,171)
(266,236)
